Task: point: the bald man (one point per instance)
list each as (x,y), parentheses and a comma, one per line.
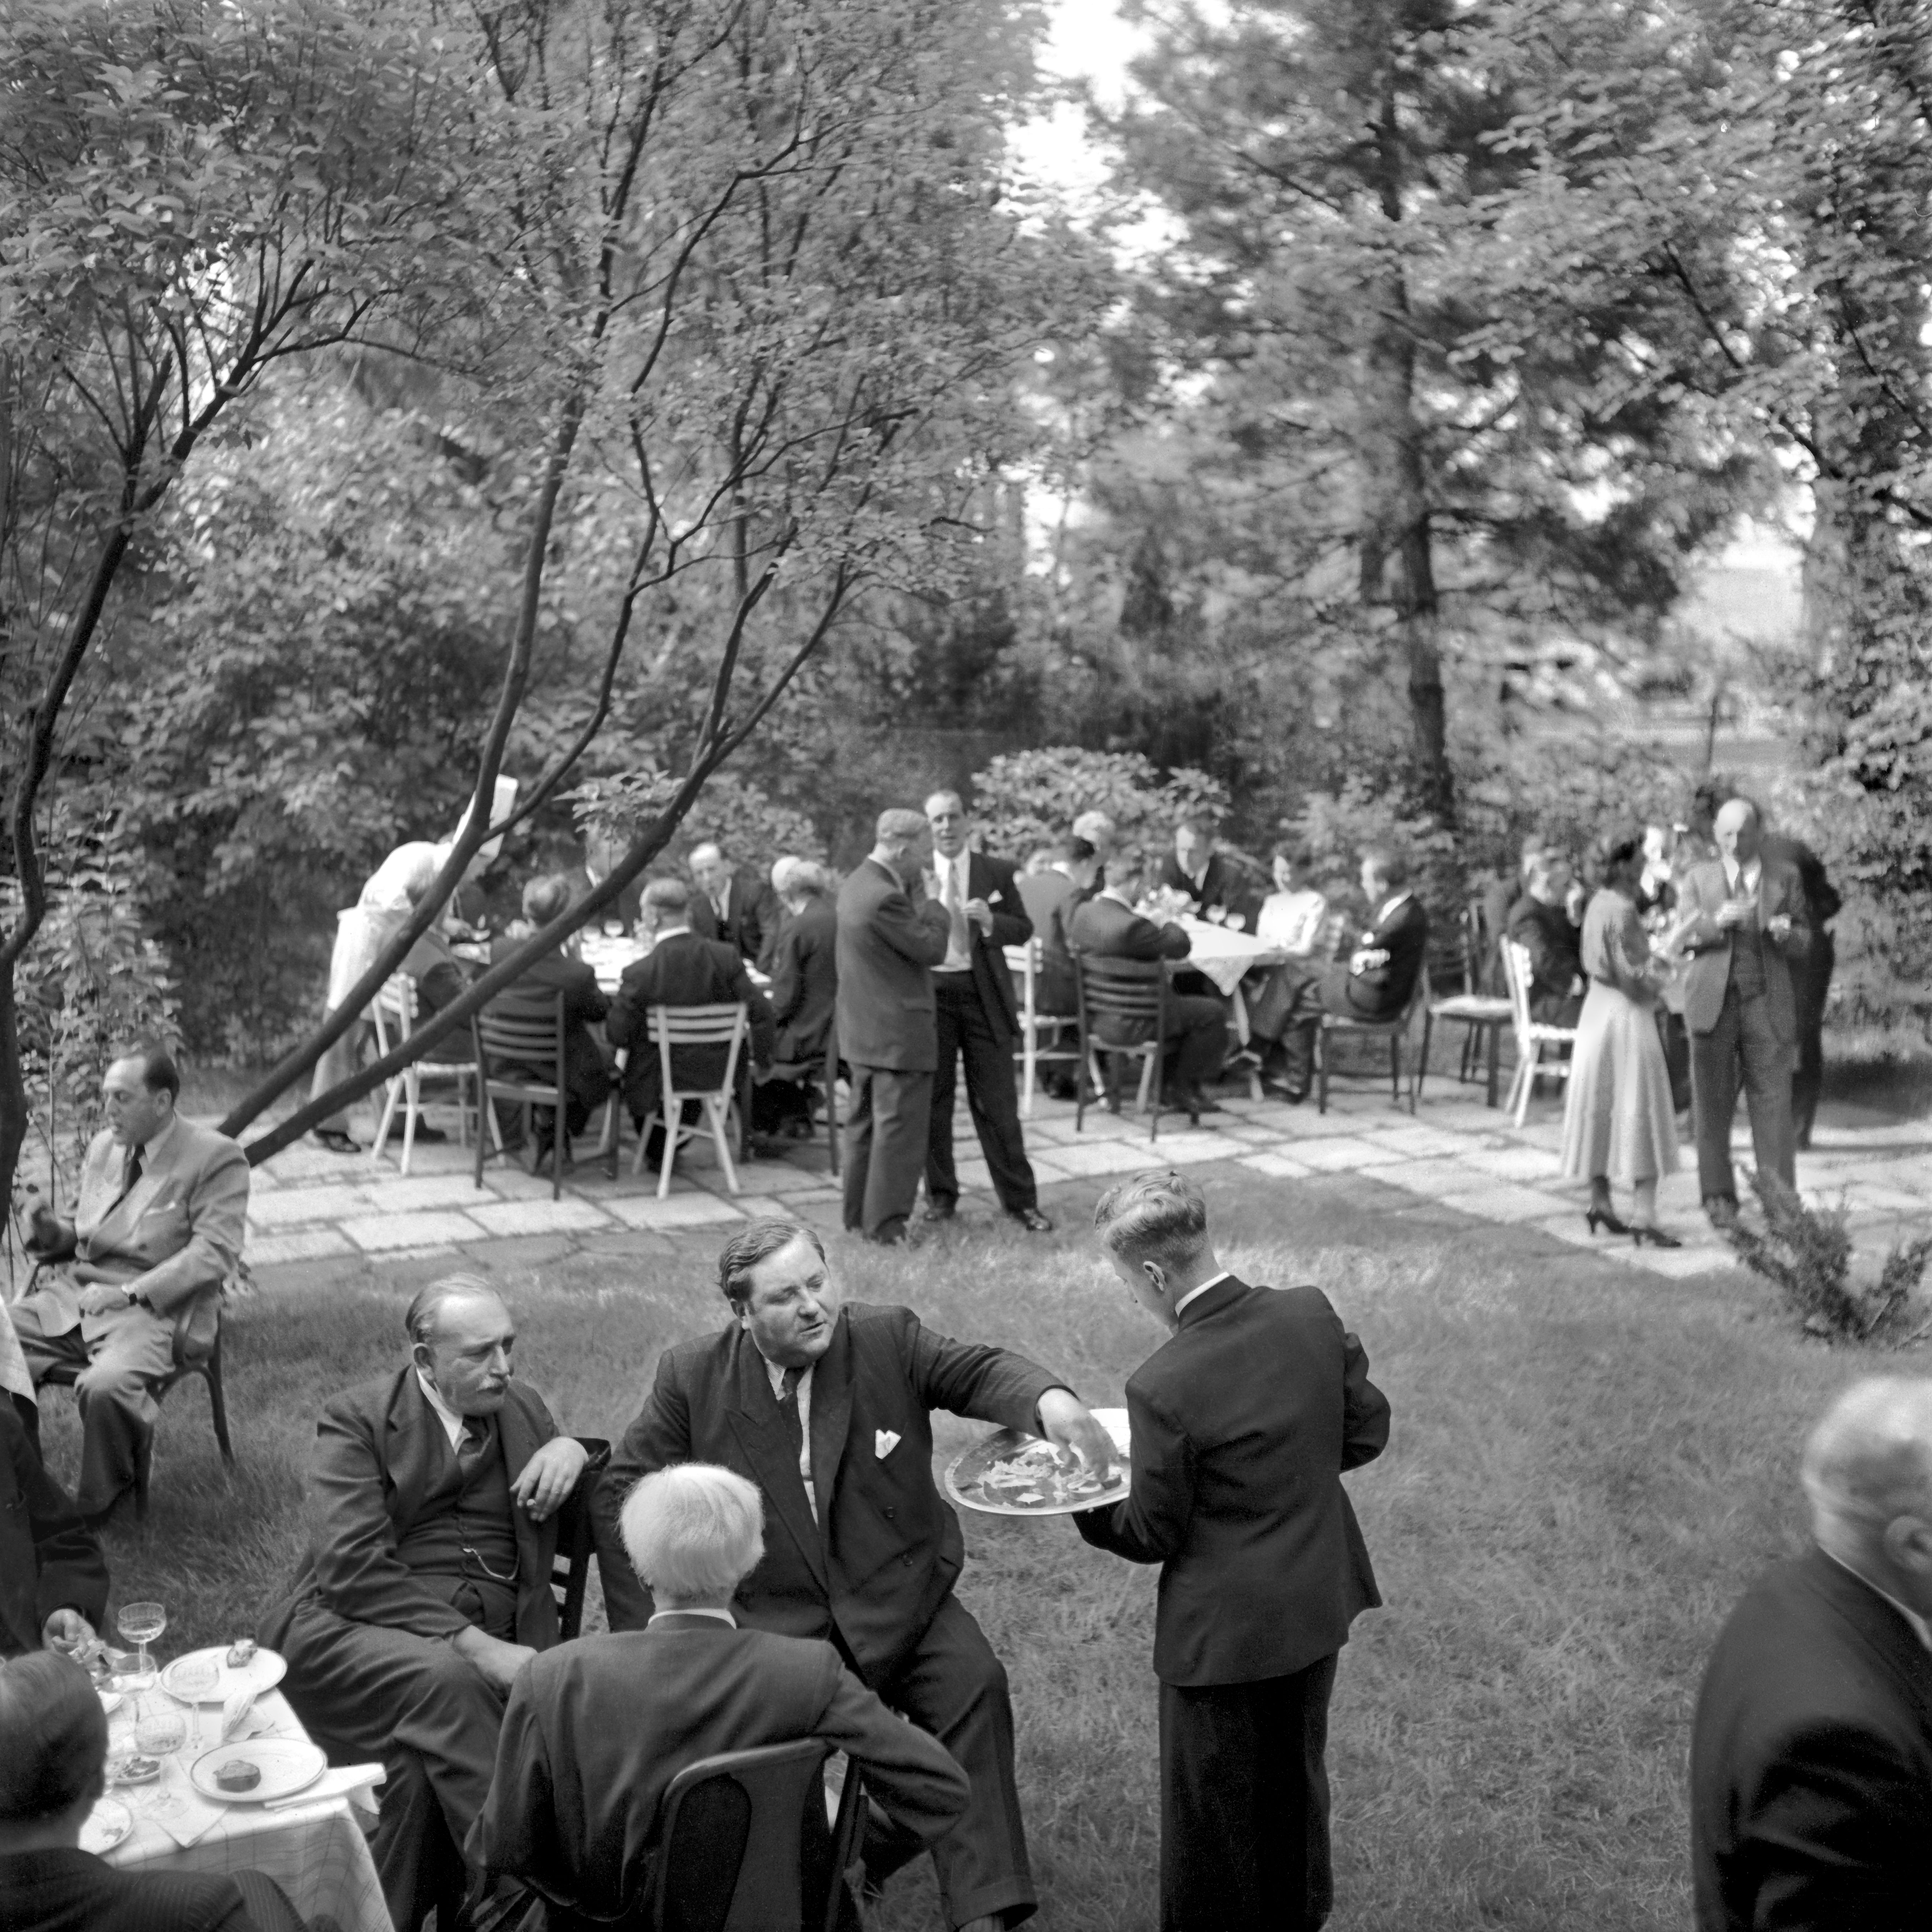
(426,1588)
(1747,923)
(1811,1750)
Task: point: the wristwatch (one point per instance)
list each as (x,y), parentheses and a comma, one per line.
(129,1291)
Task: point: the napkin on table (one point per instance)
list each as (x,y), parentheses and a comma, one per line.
(352,1781)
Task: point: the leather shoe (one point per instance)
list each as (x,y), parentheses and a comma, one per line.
(939,1210)
(336,1140)
(1031,1220)
(427,1135)
(1275,1090)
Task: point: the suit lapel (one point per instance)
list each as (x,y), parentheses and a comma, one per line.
(118,1219)
(754,1418)
(413,1460)
(831,1414)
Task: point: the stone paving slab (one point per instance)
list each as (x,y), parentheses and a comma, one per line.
(1500,1201)
(538,1217)
(694,1210)
(1339,1153)
(376,1232)
(1279,1166)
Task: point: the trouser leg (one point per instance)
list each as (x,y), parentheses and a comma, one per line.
(951,992)
(953,1686)
(1244,1804)
(1713,1097)
(113,1390)
(1810,984)
(334,1066)
(1677,1058)
(856,1156)
(1197,1054)
(1319,993)
(902,1121)
(1767,1062)
(994,1100)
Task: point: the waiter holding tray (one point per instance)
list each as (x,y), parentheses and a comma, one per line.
(827,1408)
(1242,1424)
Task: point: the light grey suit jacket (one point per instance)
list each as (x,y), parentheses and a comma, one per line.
(1709,944)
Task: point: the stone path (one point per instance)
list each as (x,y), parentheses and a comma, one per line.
(316,1213)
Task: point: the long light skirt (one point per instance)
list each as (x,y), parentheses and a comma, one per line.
(1618,1121)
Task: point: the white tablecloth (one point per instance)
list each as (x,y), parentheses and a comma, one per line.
(607,954)
(1225,957)
(316,1853)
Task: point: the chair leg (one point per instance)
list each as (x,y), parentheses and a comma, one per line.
(144,1465)
(1029,1067)
(669,1111)
(382,1125)
(1321,1068)
(1422,1065)
(721,1137)
(1526,1074)
(1146,1086)
(412,1108)
(1157,1066)
(218,1406)
(1494,1033)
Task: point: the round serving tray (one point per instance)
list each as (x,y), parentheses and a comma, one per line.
(1054,1493)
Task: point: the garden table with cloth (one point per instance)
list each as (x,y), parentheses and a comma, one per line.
(314,1851)
(1224,958)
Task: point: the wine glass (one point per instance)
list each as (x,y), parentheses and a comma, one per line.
(193,1679)
(141,1624)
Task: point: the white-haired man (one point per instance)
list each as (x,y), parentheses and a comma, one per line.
(596,1729)
(1811,1750)
(426,1588)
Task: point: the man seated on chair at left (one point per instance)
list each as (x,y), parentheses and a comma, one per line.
(427,1586)
(157,1229)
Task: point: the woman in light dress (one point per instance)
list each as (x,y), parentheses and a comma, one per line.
(1618,1126)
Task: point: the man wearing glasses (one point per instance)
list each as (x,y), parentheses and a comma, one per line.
(426,1588)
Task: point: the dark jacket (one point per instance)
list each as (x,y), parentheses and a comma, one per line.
(1106,928)
(804,981)
(75,1891)
(682,970)
(1555,942)
(595,1730)
(1779,891)
(1384,964)
(751,917)
(993,880)
(586,1070)
(890,1547)
(1242,1423)
(886,946)
(1219,887)
(1811,1761)
(375,1459)
(50,1559)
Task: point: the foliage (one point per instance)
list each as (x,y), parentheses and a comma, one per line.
(93,979)
(1806,1252)
(1024,799)
(751,828)
(1569,791)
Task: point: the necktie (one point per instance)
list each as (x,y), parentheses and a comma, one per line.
(954,897)
(470,1451)
(794,1424)
(134,1172)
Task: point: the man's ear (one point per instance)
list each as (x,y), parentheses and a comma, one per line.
(1908,1542)
(1156,1273)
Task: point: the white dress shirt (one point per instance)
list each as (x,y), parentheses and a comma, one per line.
(1743,879)
(1195,1294)
(951,875)
(776,1371)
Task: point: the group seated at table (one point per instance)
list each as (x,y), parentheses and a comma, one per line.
(53,1764)
(596,1729)
(427,1584)
(804,994)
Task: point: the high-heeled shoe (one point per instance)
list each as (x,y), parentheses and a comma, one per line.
(1604,1220)
(1648,1236)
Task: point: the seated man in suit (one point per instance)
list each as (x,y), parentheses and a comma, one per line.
(1050,897)
(53,1578)
(156,1229)
(1195,868)
(586,1071)
(734,904)
(829,1410)
(1374,983)
(426,1588)
(1108,926)
(1244,1423)
(1811,1749)
(805,991)
(1543,921)
(682,969)
(53,1762)
(595,1730)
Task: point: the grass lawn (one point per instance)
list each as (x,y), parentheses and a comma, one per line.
(1587,1464)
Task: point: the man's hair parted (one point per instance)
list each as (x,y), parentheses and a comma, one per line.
(419,1318)
(757,1241)
(159,1073)
(1153,1217)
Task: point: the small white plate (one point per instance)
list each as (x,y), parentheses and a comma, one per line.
(263,1672)
(287,1766)
(107,1824)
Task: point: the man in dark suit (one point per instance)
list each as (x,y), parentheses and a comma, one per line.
(1744,921)
(53,1578)
(426,1588)
(1542,923)
(805,991)
(1050,896)
(682,969)
(1195,868)
(1374,982)
(976,1018)
(53,1759)
(595,1730)
(586,1070)
(736,905)
(828,1409)
(1108,927)
(1242,1425)
(1811,1750)
(890,935)
(1810,977)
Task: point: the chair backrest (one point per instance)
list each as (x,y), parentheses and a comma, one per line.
(1516,974)
(394,1007)
(729,1855)
(1023,962)
(712,1025)
(517,1026)
(1120,989)
(570,1573)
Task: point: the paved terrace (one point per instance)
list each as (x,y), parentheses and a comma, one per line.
(314,1213)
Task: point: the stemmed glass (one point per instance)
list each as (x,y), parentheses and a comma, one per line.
(141,1624)
(193,1679)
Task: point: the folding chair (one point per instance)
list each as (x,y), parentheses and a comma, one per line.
(1532,1035)
(570,1573)
(1132,991)
(720,1025)
(1023,962)
(1481,1015)
(394,1010)
(527,1031)
(1396,1028)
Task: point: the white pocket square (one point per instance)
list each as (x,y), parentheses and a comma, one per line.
(884,1442)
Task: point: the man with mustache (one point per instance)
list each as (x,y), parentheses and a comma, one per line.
(426,1588)
(827,1408)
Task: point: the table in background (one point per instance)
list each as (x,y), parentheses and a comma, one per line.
(607,954)
(316,1853)
(1224,958)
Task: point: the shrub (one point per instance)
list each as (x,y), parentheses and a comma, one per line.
(1025,799)
(753,828)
